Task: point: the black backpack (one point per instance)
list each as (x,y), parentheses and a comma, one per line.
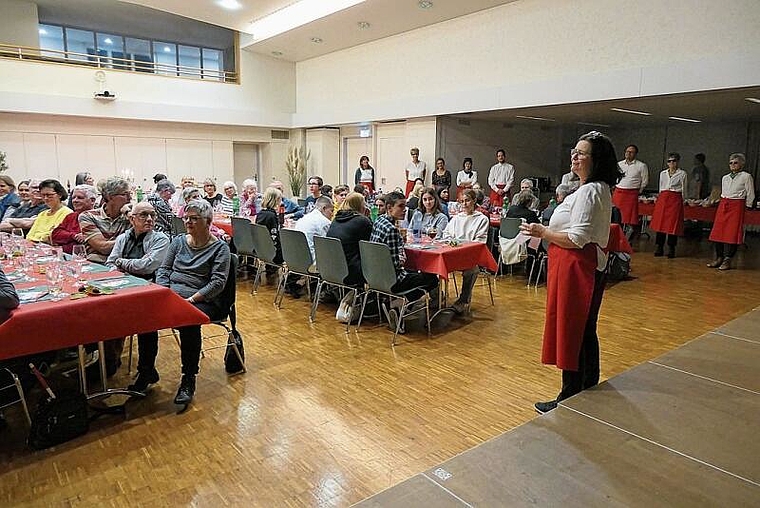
(618,266)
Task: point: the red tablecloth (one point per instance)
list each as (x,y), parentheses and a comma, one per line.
(44,326)
(706,214)
(225,225)
(443,259)
(618,241)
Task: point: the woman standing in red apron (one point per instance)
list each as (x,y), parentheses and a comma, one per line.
(737,190)
(577,233)
(365,175)
(667,218)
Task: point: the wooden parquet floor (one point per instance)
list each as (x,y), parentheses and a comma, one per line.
(325,418)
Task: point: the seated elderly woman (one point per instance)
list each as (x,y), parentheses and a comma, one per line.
(227,202)
(212,196)
(68,233)
(24,215)
(526,185)
(196,268)
(188,194)
(160,200)
(53,195)
(521,207)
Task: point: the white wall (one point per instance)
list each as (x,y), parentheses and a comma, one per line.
(536,52)
(59,147)
(324,146)
(265,96)
(392,144)
(18,23)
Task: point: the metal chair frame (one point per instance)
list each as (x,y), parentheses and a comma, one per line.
(21,398)
(265,253)
(297,260)
(333,269)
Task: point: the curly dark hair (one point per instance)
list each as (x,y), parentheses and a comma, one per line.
(604,166)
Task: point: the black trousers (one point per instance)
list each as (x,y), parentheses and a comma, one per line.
(190,344)
(587,374)
(727,250)
(422,280)
(660,240)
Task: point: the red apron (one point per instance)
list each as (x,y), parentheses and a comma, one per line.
(627,201)
(409,187)
(569,288)
(497,200)
(368,186)
(668,213)
(729,222)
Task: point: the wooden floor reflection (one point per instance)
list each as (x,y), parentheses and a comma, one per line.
(325,418)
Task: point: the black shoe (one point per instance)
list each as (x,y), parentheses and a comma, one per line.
(143,381)
(659,252)
(186,390)
(545,407)
(671,253)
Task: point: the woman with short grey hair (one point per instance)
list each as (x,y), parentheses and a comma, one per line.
(68,233)
(160,201)
(196,268)
(188,194)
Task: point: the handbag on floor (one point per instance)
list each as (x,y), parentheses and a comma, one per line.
(232,363)
(57,418)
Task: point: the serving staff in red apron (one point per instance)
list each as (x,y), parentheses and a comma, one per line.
(365,175)
(634,181)
(737,193)
(578,231)
(415,169)
(500,179)
(667,218)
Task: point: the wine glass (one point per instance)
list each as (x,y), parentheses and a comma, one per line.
(79,252)
(54,278)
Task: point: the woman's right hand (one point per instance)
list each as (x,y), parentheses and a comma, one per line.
(536,229)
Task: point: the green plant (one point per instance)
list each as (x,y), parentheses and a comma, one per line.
(296,166)
(3,164)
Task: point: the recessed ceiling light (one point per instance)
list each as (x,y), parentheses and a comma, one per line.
(108,40)
(276,53)
(750,99)
(425,4)
(295,15)
(316,40)
(542,119)
(44,32)
(363,25)
(682,119)
(589,124)
(232,5)
(631,111)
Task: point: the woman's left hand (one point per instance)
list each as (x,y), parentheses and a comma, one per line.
(536,230)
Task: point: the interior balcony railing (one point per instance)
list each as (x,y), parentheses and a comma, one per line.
(137,63)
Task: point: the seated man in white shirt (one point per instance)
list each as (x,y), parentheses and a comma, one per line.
(472,226)
(316,222)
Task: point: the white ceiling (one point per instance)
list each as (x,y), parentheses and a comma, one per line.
(338,31)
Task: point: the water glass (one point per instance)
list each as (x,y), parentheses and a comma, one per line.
(55,281)
(79,252)
(17,233)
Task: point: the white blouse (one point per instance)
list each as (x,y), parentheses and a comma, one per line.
(739,187)
(365,175)
(585,216)
(415,170)
(675,183)
(463,178)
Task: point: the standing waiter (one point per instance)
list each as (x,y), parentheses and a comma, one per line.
(737,190)
(668,215)
(626,194)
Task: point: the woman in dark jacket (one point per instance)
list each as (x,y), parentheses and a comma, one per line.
(521,210)
(349,226)
(267,216)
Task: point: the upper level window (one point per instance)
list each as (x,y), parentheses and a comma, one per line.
(81,42)
(139,50)
(190,57)
(111,46)
(51,37)
(165,57)
(213,64)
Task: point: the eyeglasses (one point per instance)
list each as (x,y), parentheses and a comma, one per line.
(145,215)
(313,183)
(579,153)
(46,195)
(672,160)
(192,218)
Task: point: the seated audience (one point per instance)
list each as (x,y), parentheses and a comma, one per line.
(53,194)
(561,192)
(82,178)
(526,185)
(140,251)
(188,194)
(520,208)
(230,191)
(413,202)
(430,214)
(185,182)
(157,178)
(24,215)
(268,216)
(316,222)
(314,187)
(212,196)
(472,226)
(349,226)
(572,180)
(292,210)
(8,196)
(161,203)
(385,231)
(195,267)
(250,201)
(68,233)
(327,190)
(339,195)
(485,203)
(443,198)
